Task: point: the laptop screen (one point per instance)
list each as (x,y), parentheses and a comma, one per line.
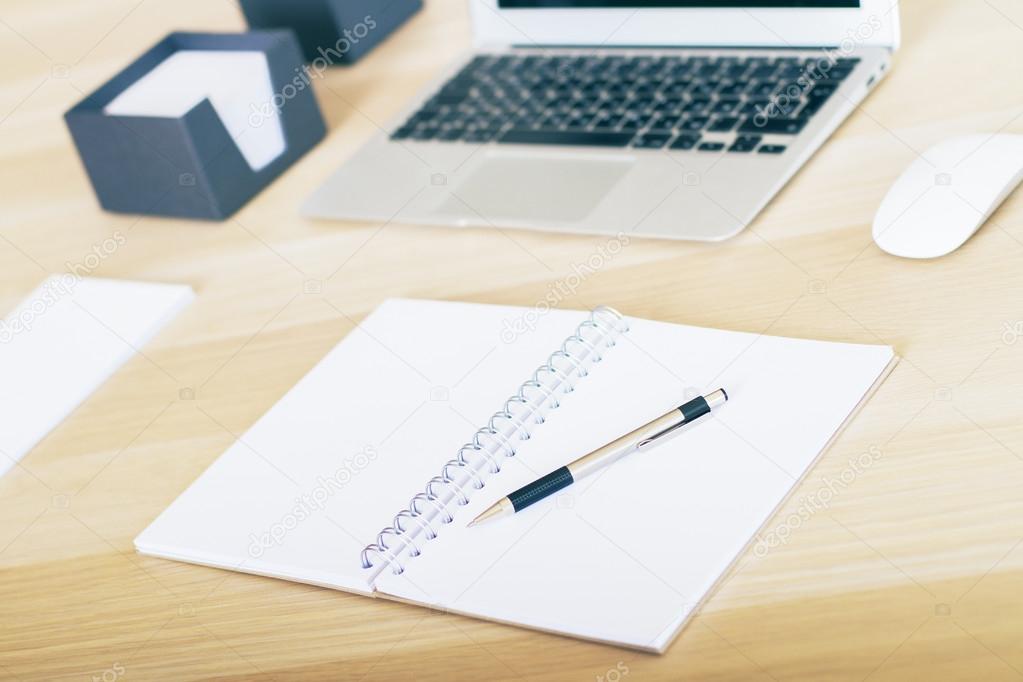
(676,3)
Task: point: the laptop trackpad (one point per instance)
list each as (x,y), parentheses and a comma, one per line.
(534,188)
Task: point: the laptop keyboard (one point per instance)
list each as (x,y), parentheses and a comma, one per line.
(678,102)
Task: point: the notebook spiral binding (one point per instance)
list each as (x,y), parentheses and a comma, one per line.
(529,405)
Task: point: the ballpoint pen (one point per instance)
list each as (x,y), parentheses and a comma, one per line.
(642,438)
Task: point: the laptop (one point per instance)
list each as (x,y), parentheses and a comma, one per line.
(676,119)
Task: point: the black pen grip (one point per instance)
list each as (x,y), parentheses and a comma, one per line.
(694,409)
(541,488)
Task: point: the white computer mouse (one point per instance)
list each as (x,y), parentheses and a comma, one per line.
(947,194)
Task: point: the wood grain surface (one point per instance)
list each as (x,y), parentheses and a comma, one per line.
(913,569)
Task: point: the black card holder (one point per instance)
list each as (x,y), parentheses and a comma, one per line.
(190,166)
(332,32)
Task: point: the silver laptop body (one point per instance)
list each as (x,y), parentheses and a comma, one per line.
(668,142)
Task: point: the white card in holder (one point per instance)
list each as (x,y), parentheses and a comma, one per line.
(237,83)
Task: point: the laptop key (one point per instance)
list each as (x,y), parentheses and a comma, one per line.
(837,73)
(697,104)
(567,137)
(722,124)
(426,115)
(822,90)
(771,149)
(732,89)
(725,105)
(745,143)
(789,72)
(675,89)
(423,133)
(693,123)
(711,146)
(607,122)
(812,106)
(702,88)
(480,134)
(785,107)
(755,106)
(651,140)
(451,96)
(450,134)
(763,88)
(773,126)
(685,141)
(707,70)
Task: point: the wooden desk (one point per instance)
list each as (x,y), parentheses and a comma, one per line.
(914,569)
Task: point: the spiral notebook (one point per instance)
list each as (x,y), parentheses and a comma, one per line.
(363,476)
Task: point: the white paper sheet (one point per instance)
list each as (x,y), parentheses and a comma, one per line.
(64,340)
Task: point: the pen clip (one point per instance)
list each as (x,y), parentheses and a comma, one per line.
(650,440)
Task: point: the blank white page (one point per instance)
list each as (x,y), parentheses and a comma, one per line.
(325,469)
(626,555)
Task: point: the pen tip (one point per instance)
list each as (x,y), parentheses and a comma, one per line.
(724,393)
